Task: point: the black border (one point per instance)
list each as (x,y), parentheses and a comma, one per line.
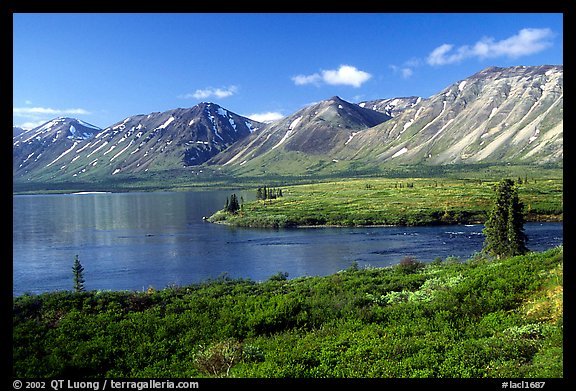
(566,7)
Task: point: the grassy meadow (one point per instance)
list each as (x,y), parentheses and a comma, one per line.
(394,201)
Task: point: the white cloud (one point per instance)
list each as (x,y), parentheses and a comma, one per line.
(438,55)
(268,116)
(36,116)
(301,80)
(32,111)
(527,41)
(347,75)
(344,75)
(211,93)
(406,72)
(31,124)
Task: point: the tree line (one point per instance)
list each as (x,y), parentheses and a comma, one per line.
(268,193)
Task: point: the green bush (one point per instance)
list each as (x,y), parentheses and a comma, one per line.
(465,319)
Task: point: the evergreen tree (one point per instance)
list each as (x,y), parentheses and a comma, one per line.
(78,272)
(268,193)
(504,229)
(233,206)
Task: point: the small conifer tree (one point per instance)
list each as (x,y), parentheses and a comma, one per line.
(78,272)
(504,229)
(232,206)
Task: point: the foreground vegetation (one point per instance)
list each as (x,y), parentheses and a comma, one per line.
(393,201)
(447,319)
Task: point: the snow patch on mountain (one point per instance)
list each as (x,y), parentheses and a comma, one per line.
(351,137)
(400,152)
(165,124)
(293,124)
(122,125)
(63,153)
(86,124)
(250,127)
(123,150)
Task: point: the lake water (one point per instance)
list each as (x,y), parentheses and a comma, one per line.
(132,241)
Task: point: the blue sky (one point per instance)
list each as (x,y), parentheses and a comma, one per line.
(104,67)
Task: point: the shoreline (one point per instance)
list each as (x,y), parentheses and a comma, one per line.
(550,219)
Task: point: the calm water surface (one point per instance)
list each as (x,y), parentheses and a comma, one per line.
(136,240)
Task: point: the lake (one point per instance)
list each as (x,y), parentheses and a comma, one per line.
(132,241)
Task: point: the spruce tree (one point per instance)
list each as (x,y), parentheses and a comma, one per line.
(504,229)
(233,205)
(78,272)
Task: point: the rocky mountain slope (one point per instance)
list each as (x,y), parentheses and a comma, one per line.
(497,115)
(162,140)
(393,106)
(16,131)
(317,131)
(44,146)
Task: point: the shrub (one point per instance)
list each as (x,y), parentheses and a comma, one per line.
(280,276)
(409,265)
(252,353)
(218,359)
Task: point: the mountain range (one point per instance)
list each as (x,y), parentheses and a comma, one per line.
(66,147)
(498,115)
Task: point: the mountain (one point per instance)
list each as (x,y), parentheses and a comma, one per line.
(42,147)
(316,131)
(498,115)
(160,140)
(510,115)
(16,131)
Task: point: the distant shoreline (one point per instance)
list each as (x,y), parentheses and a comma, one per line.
(90,192)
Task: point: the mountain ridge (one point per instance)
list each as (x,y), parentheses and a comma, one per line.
(179,137)
(316,129)
(511,114)
(497,115)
